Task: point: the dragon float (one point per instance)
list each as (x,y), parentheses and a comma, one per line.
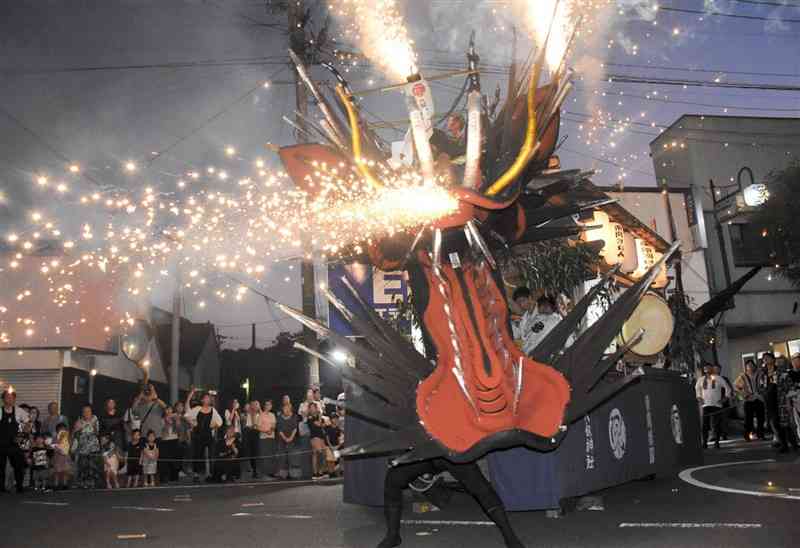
(474,391)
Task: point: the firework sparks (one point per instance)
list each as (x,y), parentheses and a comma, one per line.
(554,21)
(378,29)
(214,226)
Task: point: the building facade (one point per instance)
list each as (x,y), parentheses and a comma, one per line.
(709,158)
(60,336)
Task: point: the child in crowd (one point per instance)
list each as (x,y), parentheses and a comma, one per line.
(62,463)
(40,464)
(134,458)
(110,461)
(150,460)
(334,439)
(227,463)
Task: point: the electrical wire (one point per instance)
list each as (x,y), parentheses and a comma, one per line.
(701,70)
(721,14)
(692,103)
(213,117)
(46,144)
(243,62)
(627,79)
(765,3)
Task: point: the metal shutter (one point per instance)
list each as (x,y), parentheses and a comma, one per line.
(36,387)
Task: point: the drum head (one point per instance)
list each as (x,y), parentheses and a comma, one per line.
(654,316)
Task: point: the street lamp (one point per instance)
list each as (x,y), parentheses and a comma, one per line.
(339,356)
(92,375)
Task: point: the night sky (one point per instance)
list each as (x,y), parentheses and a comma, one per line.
(104,82)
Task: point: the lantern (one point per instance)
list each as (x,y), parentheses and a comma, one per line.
(646,257)
(603,230)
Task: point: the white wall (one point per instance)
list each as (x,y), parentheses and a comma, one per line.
(30,359)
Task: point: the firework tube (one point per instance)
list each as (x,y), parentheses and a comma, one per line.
(529,145)
(333,122)
(355,130)
(472,168)
(419,132)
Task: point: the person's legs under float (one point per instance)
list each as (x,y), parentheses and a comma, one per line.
(470,477)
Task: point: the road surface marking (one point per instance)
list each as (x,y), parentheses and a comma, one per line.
(686,476)
(690,525)
(143,508)
(46,503)
(445,522)
(136,536)
(252,504)
(277,516)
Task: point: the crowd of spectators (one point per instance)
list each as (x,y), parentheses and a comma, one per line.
(769,393)
(152,442)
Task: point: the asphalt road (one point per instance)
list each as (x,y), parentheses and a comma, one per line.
(659,512)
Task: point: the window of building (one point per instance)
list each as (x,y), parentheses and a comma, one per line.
(753,245)
(794,347)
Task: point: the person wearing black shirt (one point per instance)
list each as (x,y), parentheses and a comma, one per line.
(134,458)
(316,430)
(333,433)
(111,423)
(205,420)
(286,428)
(226,457)
(333,440)
(12,421)
(40,464)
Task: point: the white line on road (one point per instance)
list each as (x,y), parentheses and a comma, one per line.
(134,536)
(45,503)
(686,476)
(445,522)
(252,504)
(277,516)
(143,508)
(690,525)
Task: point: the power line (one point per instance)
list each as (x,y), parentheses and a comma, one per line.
(702,70)
(721,14)
(213,117)
(46,144)
(692,103)
(244,62)
(764,3)
(626,79)
(249,324)
(610,162)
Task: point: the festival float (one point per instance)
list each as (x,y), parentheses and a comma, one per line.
(553,424)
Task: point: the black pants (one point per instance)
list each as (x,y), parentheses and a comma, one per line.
(469,475)
(251,447)
(169,460)
(754,412)
(17,458)
(721,430)
(225,467)
(711,415)
(200,445)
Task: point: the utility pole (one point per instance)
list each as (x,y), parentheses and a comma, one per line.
(298,43)
(175,354)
